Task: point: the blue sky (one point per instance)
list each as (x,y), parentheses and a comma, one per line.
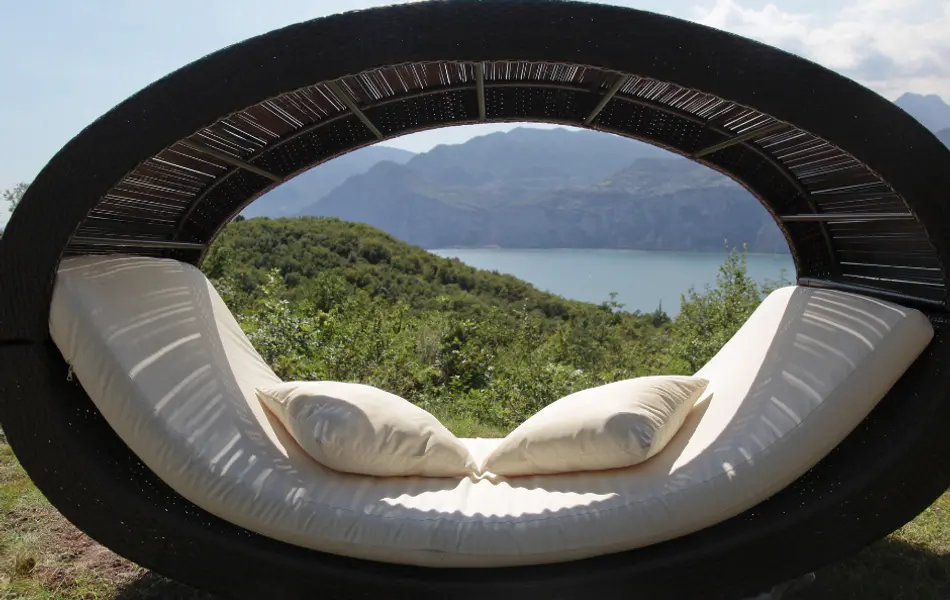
(65,62)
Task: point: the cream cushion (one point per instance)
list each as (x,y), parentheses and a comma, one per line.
(170,370)
(606,427)
(356,428)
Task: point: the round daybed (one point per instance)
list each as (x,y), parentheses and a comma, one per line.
(169,368)
(127,387)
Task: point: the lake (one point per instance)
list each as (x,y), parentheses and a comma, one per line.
(642,279)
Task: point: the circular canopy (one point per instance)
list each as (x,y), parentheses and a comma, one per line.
(858,187)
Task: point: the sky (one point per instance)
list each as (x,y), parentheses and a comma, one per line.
(64,63)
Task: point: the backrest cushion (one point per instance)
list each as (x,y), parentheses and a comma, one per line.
(142,331)
(805,369)
(611,426)
(360,429)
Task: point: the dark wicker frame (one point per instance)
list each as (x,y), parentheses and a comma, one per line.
(858,187)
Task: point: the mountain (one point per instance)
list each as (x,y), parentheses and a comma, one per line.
(652,202)
(531,158)
(929,109)
(547,188)
(664,204)
(944,136)
(308,187)
(519,166)
(404,203)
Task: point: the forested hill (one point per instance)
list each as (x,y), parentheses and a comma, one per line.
(323,299)
(325,259)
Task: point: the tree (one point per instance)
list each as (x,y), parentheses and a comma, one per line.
(709,319)
(14,195)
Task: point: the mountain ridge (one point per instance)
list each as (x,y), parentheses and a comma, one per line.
(657,201)
(544,188)
(944,136)
(308,187)
(929,109)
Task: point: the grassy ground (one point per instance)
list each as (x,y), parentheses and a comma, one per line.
(467,427)
(43,557)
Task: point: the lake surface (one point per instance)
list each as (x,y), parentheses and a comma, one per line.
(642,279)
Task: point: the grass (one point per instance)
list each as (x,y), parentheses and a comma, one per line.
(467,427)
(43,557)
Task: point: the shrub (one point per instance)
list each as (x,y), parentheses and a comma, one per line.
(480,350)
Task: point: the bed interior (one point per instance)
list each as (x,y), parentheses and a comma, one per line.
(166,363)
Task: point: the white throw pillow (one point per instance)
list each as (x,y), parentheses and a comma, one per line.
(360,429)
(614,425)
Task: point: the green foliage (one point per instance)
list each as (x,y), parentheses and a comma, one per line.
(326,299)
(708,320)
(325,260)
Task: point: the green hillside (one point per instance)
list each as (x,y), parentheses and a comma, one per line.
(324,260)
(327,299)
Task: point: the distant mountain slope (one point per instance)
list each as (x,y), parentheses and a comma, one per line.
(546,188)
(521,166)
(545,158)
(944,136)
(929,109)
(305,189)
(653,204)
(402,202)
(663,204)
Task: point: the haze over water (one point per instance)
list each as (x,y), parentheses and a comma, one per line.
(642,279)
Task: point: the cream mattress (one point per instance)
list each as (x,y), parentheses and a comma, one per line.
(170,369)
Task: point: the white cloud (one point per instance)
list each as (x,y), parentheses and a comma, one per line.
(892,46)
